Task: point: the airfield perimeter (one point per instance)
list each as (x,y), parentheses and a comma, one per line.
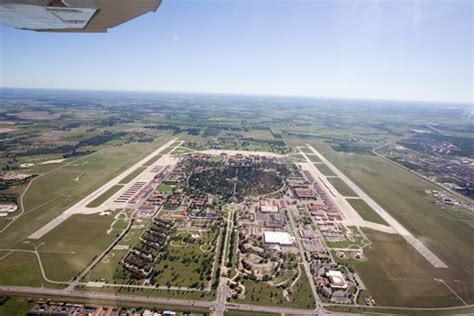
(162,157)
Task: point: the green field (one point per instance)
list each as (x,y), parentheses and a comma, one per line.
(152,160)
(324,169)
(104,196)
(313,158)
(21,269)
(108,268)
(446,231)
(365,211)
(132,175)
(16,307)
(182,264)
(68,248)
(262,293)
(164,188)
(341,187)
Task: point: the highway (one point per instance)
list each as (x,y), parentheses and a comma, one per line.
(113,299)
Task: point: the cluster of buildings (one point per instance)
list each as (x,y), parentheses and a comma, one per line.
(141,259)
(57,308)
(332,284)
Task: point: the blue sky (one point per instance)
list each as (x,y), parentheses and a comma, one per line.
(408,50)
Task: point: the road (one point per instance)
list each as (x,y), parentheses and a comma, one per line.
(80,207)
(412,240)
(305,262)
(121,298)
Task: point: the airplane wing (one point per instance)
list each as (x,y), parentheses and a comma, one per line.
(72,15)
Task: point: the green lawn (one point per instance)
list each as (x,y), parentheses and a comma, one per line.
(164,188)
(152,160)
(104,196)
(341,187)
(182,264)
(366,211)
(313,158)
(132,175)
(262,293)
(21,269)
(16,307)
(324,169)
(68,248)
(108,268)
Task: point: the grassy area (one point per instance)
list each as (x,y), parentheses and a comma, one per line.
(366,211)
(445,231)
(324,170)
(132,175)
(104,196)
(16,306)
(397,275)
(21,269)
(392,311)
(164,188)
(181,294)
(152,160)
(341,187)
(313,158)
(262,293)
(51,194)
(183,263)
(108,268)
(68,248)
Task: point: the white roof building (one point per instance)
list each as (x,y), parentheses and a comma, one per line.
(337,279)
(280,238)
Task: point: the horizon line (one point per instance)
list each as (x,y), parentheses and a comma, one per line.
(471,103)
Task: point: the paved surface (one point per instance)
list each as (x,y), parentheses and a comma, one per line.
(80,207)
(116,298)
(412,240)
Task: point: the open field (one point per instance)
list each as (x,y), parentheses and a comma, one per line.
(183,263)
(152,160)
(341,187)
(68,248)
(51,194)
(16,306)
(132,175)
(262,293)
(108,268)
(397,275)
(324,169)
(366,211)
(104,196)
(21,268)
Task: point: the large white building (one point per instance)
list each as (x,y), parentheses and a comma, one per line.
(280,238)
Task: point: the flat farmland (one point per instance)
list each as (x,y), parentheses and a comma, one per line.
(445,231)
(49,195)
